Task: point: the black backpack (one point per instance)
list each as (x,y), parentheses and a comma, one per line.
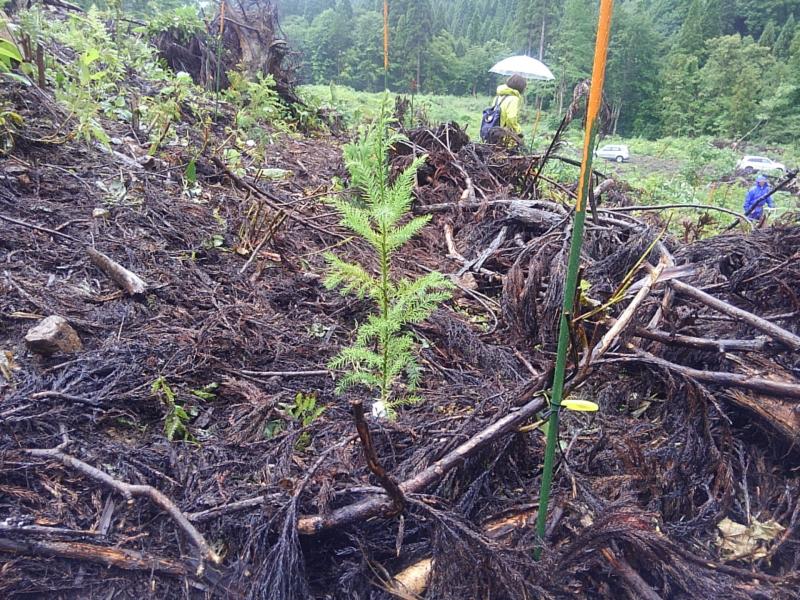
(491,118)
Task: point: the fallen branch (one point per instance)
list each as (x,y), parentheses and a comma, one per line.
(452,252)
(38,228)
(625,318)
(129,560)
(699,343)
(127,280)
(129,491)
(386,480)
(775,332)
(232,507)
(756,384)
(477,263)
(39,530)
(270,199)
(477,205)
(642,590)
(657,207)
(313,524)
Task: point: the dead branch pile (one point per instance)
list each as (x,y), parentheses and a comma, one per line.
(682,486)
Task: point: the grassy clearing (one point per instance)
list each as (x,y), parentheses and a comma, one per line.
(355,106)
(665,171)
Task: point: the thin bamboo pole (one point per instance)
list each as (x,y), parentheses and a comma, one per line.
(593,110)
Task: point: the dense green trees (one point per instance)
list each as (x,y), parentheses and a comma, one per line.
(718,67)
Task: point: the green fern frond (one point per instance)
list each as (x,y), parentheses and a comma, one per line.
(416,299)
(377,327)
(392,407)
(357,378)
(401,193)
(355,357)
(413,375)
(357,219)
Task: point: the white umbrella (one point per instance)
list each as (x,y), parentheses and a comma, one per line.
(528,67)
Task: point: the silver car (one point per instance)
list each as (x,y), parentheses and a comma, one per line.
(615,152)
(759,163)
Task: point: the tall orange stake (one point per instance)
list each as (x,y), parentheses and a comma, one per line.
(386,44)
(573,266)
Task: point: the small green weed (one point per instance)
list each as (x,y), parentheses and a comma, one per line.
(303,411)
(177,416)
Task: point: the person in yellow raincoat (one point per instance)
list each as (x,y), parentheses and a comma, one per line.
(509,100)
(509,96)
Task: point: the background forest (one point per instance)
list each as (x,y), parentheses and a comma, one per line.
(727,68)
(677,67)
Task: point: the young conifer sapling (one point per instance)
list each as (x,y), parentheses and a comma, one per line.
(382,356)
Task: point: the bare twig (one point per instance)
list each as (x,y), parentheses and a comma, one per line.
(39,228)
(642,590)
(310,525)
(700,343)
(658,207)
(619,326)
(764,386)
(386,480)
(112,557)
(477,263)
(129,491)
(40,530)
(232,507)
(452,252)
(270,199)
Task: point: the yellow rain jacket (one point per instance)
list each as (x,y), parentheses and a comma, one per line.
(510,107)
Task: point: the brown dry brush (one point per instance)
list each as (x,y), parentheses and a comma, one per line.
(645,481)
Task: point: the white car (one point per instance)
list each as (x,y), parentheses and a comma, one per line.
(759,163)
(616,152)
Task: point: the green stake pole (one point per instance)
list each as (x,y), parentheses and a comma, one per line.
(570,285)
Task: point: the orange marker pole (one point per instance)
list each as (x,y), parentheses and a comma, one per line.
(386,44)
(573,266)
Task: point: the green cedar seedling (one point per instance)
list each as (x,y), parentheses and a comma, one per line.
(383,350)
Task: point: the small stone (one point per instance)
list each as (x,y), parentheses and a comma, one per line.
(52,335)
(101,213)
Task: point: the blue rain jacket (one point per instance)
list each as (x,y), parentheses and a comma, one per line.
(753,194)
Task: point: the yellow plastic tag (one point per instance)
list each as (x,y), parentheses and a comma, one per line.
(580,405)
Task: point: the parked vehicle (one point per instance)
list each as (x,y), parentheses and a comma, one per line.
(759,163)
(615,152)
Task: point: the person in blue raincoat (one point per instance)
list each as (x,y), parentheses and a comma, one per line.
(754,209)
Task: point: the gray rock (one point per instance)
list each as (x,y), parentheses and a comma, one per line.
(52,335)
